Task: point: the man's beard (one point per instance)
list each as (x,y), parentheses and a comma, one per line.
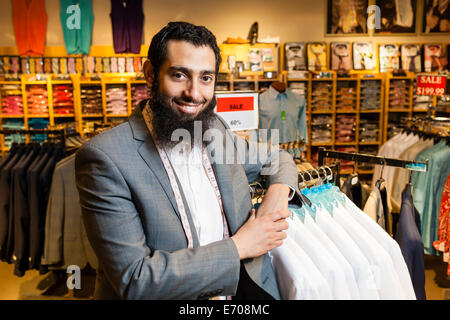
(166,120)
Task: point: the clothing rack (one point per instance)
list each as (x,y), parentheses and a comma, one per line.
(358,157)
(322,172)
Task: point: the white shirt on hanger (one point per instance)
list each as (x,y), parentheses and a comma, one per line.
(361,267)
(297,276)
(326,264)
(386,278)
(388,243)
(333,251)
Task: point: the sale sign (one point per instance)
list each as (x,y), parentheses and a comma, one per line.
(238,109)
(430,85)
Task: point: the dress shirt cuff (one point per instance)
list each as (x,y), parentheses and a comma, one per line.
(291,193)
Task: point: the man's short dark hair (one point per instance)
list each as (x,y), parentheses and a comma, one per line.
(184,31)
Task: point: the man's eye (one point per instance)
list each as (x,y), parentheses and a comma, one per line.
(178,75)
(207,78)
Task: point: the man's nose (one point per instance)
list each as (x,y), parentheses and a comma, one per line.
(192,91)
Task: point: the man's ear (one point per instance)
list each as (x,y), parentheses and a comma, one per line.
(149,73)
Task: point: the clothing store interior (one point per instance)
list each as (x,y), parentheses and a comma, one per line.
(357,90)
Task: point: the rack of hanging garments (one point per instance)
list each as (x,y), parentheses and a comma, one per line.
(400,220)
(335,251)
(331,173)
(26,176)
(421,139)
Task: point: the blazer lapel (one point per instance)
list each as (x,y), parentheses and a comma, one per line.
(225,183)
(149,154)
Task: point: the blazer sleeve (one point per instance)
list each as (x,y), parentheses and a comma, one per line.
(264,159)
(115,231)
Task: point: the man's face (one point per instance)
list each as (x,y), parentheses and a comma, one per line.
(187,78)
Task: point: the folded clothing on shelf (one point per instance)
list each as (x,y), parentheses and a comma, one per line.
(138,93)
(370,95)
(12,100)
(299,88)
(321,129)
(345,128)
(38,124)
(13,124)
(91,100)
(63,99)
(369,129)
(37,98)
(116,100)
(399,94)
(321,97)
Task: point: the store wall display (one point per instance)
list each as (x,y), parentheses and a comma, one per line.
(127,18)
(347,16)
(369,129)
(399,94)
(139,92)
(411,57)
(91,100)
(321,129)
(295,56)
(317,56)
(389,57)
(116,100)
(77,33)
(12,100)
(370,95)
(397,16)
(37,98)
(364,56)
(340,56)
(322,96)
(435,57)
(436,16)
(346,96)
(63,99)
(345,128)
(30,26)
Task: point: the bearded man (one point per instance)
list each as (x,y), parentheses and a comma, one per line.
(168,222)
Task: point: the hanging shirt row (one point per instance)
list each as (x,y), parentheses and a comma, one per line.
(77,20)
(335,251)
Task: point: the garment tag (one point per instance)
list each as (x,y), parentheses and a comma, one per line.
(283,115)
(354,180)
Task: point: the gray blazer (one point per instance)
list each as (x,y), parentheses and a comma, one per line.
(66,242)
(132,220)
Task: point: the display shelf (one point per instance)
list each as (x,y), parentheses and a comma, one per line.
(370,111)
(369,143)
(365,171)
(92,115)
(117,115)
(353,143)
(72,115)
(4,116)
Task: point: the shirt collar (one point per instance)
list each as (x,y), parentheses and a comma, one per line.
(273,93)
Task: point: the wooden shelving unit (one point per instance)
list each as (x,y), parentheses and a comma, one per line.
(336,82)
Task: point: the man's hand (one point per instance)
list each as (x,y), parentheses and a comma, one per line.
(275,199)
(261,234)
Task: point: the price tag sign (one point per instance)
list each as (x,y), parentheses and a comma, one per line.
(430,85)
(238,109)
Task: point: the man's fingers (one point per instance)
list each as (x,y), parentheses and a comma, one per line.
(281,225)
(282,214)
